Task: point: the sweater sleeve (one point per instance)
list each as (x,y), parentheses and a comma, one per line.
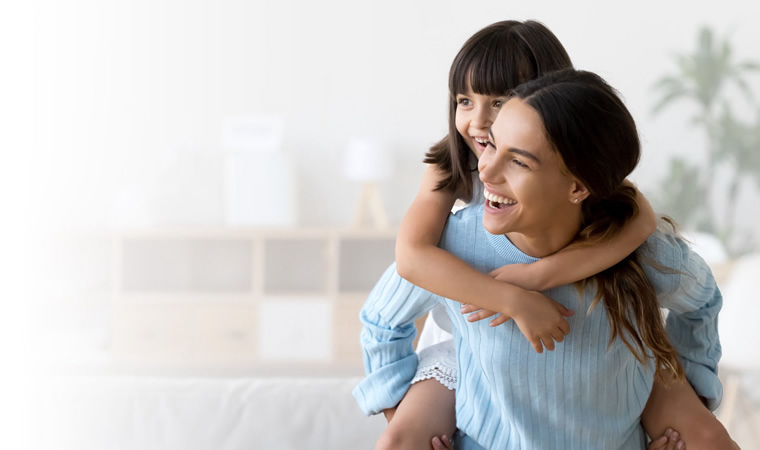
(386,338)
(686,287)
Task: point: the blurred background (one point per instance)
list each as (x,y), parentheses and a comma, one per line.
(200,195)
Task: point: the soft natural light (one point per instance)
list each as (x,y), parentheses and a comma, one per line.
(212,188)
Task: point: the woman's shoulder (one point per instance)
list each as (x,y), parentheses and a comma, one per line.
(670,263)
(467,214)
(462,226)
(665,247)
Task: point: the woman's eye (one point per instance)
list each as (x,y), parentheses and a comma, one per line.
(520,163)
(464,101)
(498,103)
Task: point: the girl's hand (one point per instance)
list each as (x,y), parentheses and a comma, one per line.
(540,319)
(442,443)
(481,314)
(668,441)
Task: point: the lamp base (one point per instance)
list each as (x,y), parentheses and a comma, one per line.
(370,201)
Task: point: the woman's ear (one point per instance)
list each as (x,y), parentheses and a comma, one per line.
(578,192)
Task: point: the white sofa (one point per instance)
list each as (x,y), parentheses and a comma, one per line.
(142,413)
(173,413)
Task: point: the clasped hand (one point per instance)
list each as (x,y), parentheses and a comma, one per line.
(540,319)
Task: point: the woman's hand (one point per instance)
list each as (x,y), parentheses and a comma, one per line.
(540,319)
(668,441)
(442,443)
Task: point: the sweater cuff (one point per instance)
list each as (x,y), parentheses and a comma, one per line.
(384,388)
(705,382)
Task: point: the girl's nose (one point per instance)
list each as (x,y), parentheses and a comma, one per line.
(482,118)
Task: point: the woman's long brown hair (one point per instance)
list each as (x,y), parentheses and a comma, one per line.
(596,138)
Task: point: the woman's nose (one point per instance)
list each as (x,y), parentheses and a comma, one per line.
(489,167)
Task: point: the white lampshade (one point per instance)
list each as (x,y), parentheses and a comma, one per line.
(368,159)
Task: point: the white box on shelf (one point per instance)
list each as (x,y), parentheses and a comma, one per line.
(253,133)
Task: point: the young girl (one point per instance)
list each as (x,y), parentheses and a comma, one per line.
(492,62)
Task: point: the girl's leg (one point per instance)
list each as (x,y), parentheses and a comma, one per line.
(427,410)
(677,406)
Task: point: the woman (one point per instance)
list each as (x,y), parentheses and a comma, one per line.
(491,63)
(554,172)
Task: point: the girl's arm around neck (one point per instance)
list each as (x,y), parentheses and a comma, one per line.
(420,261)
(573,264)
(422,226)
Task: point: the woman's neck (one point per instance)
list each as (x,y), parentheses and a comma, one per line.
(542,243)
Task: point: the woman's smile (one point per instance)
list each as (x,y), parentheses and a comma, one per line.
(497,204)
(526,191)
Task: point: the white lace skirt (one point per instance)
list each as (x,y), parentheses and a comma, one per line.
(436,352)
(438,361)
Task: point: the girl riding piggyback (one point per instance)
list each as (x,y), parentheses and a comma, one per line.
(491,63)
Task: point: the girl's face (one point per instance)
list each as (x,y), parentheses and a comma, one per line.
(526,190)
(475,114)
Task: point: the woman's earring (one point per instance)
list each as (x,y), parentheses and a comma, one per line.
(575,200)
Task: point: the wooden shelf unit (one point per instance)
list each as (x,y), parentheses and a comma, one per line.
(243,297)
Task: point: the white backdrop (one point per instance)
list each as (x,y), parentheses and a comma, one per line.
(126,92)
(111,112)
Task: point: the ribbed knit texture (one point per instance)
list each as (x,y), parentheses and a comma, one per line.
(581,396)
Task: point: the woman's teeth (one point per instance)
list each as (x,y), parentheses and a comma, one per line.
(495,201)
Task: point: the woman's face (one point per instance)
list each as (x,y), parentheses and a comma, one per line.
(475,114)
(526,190)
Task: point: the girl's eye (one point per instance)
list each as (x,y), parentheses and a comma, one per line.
(464,101)
(520,163)
(498,103)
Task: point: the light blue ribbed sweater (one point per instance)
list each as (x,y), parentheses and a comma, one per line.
(581,396)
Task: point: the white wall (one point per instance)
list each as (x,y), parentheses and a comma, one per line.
(129,93)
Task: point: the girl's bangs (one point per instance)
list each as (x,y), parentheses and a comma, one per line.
(487,70)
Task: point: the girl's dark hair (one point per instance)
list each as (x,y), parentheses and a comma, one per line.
(492,62)
(591,129)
